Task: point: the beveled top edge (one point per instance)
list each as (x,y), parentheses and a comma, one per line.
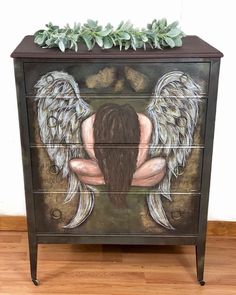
(193,47)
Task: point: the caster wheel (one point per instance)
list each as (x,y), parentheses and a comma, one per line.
(202,283)
(36,282)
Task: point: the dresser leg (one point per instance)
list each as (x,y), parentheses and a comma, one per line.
(33,251)
(200,258)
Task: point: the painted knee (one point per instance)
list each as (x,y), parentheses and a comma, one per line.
(76,165)
(159,164)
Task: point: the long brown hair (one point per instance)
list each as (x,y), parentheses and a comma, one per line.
(117,136)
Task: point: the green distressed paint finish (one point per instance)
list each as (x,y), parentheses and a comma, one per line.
(120,84)
(108,219)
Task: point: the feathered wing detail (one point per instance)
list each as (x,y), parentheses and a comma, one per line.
(156,209)
(85,207)
(173,111)
(60,113)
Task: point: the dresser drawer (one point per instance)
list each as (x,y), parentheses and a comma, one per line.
(107,219)
(47,177)
(125,77)
(139,104)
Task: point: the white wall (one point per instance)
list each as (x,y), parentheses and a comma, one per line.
(207,19)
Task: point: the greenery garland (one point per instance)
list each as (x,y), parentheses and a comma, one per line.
(158,35)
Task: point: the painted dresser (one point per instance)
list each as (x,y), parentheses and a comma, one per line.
(117,146)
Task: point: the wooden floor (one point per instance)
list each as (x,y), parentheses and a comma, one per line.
(104,269)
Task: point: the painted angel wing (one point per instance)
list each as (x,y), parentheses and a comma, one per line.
(173,111)
(60,113)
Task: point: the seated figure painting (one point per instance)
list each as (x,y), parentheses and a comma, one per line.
(115,145)
(116,138)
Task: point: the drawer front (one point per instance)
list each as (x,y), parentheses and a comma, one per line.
(133,83)
(139,104)
(119,77)
(47,177)
(106,219)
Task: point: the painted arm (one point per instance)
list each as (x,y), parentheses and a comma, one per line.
(87,136)
(145,135)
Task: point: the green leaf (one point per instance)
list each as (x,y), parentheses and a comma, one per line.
(178,42)
(39,39)
(87,40)
(113,40)
(144,38)
(49,42)
(108,27)
(91,23)
(76,28)
(76,47)
(98,28)
(157,43)
(163,43)
(120,44)
(105,32)
(173,25)
(120,25)
(52,27)
(75,37)
(107,43)
(127,26)
(162,23)
(173,33)
(170,42)
(38,32)
(61,45)
(134,42)
(124,35)
(154,24)
(99,40)
(127,44)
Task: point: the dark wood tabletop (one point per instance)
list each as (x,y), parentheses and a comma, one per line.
(193,47)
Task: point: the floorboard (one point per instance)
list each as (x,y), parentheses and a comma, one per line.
(115,269)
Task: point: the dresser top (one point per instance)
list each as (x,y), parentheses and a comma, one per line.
(193,47)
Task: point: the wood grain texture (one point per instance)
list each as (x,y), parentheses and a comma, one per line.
(221,228)
(214,228)
(192,47)
(13,223)
(116,269)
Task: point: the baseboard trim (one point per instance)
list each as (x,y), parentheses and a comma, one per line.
(214,228)
(13,223)
(221,228)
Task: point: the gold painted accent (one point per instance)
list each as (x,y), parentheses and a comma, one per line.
(138,81)
(119,86)
(103,79)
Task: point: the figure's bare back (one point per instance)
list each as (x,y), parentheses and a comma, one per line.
(148,172)
(145,135)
